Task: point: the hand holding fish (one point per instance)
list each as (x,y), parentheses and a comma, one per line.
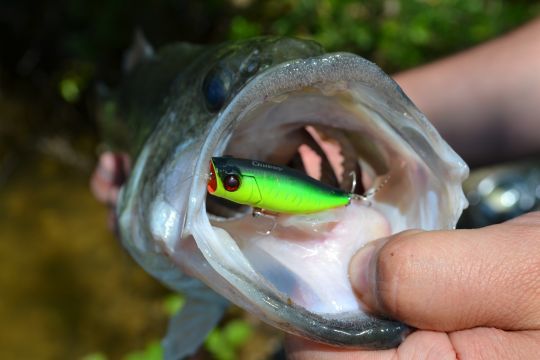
(470,293)
(276,100)
(479,300)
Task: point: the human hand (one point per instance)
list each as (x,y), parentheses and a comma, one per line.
(472,294)
(110,174)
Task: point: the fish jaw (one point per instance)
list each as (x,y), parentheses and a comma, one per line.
(340,91)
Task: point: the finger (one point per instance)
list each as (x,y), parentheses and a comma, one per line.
(453,280)
(417,346)
(478,343)
(302,349)
(490,343)
(110,174)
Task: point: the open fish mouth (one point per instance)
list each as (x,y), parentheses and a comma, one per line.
(292,270)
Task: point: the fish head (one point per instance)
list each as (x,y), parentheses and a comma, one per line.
(277,100)
(234,64)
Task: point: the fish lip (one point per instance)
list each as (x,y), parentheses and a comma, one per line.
(285,78)
(294,75)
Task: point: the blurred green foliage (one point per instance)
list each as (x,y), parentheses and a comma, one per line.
(223,343)
(152,351)
(55,52)
(173,303)
(396,34)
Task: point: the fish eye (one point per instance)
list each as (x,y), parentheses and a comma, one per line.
(231,182)
(216,87)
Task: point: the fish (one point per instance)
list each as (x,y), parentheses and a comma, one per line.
(282,101)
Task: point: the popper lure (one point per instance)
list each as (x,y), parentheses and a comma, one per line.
(272,187)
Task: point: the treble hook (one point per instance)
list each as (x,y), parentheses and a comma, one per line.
(365,197)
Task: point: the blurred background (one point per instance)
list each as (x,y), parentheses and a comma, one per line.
(68,289)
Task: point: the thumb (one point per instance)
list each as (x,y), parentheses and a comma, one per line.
(457,279)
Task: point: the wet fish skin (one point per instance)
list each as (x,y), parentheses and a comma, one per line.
(159,106)
(162,109)
(170,84)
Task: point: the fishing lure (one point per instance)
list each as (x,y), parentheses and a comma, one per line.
(273,188)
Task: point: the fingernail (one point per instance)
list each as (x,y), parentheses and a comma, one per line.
(362,273)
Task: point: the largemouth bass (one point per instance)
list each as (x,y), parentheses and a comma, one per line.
(281,101)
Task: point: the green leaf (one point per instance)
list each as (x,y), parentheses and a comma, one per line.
(218,346)
(173,303)
(237,332)
(69,89)
(153,351)
(241,28)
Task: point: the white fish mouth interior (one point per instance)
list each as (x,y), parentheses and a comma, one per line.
(305,258)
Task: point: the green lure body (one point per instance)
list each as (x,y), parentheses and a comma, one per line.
(271,187)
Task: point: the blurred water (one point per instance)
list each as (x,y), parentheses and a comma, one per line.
(68,288)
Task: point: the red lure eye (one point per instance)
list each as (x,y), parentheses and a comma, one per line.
(212,183)
(231,183)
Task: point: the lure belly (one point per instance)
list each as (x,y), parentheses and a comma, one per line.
(272,187)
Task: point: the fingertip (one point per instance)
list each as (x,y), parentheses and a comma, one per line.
(362,274)
(298,348)
(456,279)
(372,266)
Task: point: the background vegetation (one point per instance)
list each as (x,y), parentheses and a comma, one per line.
(53,52)
(68,289)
